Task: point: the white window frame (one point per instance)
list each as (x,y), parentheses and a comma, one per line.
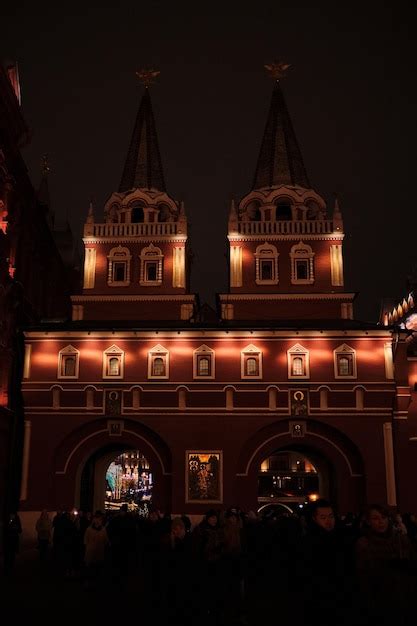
(151,254)
(246,353)
(346,350)
(118,255)
(113,351)
(302,252)
(207,352)
(68,351)
(157,352)
(266,252)
(298,351)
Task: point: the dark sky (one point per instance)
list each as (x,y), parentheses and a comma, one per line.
(350,95)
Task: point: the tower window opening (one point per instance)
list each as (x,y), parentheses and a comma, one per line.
(119,271)
(301,266)
(284,211)
(114,366)
(151,271)
(345,364)
(137,215)
(69,363)
(266,268)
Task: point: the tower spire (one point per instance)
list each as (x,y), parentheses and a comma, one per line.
(280,161)
(43,195)
(143,166)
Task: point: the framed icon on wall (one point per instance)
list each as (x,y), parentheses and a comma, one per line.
(204,476)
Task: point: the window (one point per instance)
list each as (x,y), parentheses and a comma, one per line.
(344,362)
(302,264)
(151,266)
(119,267)
(158,362)
(298,362)
(251,362)
(283,210)
(203,362)
(68,362)
(266,259)
(113,362)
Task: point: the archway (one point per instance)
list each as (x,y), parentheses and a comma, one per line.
(292,477)
(339,468)
(85,455)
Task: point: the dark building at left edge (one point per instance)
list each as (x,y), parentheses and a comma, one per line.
(120,387)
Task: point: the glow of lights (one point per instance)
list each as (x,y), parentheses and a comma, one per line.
(313,497)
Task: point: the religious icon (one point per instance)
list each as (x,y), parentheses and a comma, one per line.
(113,402)
(115,428)
(203,476)
(297,429)
(298,402)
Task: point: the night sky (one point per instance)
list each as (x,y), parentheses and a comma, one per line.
(349,94)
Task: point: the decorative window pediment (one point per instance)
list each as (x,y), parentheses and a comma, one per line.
(151,259)
(119,267)
(298,362)
(68,362)
(203,363)
(251,362)
(344,362)
(266,260)
(158,362)
(113,362)
(302,264)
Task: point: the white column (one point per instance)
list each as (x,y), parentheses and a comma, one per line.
(89,268)
(25,462)
(389,364)
(272,399)
(336,265)
(389,465)
(26,366)
(235,266)
(229,398)
(324,399)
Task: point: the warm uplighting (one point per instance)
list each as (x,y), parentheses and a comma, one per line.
(313,497)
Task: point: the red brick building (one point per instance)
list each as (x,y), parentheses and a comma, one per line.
(280,399)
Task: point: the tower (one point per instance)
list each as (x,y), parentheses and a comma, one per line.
(285,253)
(135,265)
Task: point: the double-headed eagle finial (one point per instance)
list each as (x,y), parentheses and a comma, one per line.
(147,76)
(277,69)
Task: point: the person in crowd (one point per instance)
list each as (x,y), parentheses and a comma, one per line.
(326,569)
(44,532)
(13,531)
(386,565)
(96,542)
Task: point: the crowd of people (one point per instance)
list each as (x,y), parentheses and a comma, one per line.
(240,568)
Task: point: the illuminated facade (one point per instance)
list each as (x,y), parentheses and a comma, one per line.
(285,372)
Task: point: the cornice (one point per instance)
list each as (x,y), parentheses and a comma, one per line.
(136,298)
(295,237)
(226,297)
(136,239)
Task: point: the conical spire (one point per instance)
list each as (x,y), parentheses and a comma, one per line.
(280,161)
(143,167)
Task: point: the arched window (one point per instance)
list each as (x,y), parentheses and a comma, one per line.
(302,264)
(137,213)
(151,266)
(203,362)
(119,267)
(266,261)
(251,362)
(68,362)
(344,362)
(298,362)
(113,362)
(253,212)
(158,362)
(283,210)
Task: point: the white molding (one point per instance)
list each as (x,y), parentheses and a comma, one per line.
(113,351)
(254,351)
(68,351)
(139,298)
(266,252)
(346,350)
(158,351)
(286,296)
(205,351)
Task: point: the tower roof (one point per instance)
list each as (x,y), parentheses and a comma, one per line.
(280,161)
(143,167)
